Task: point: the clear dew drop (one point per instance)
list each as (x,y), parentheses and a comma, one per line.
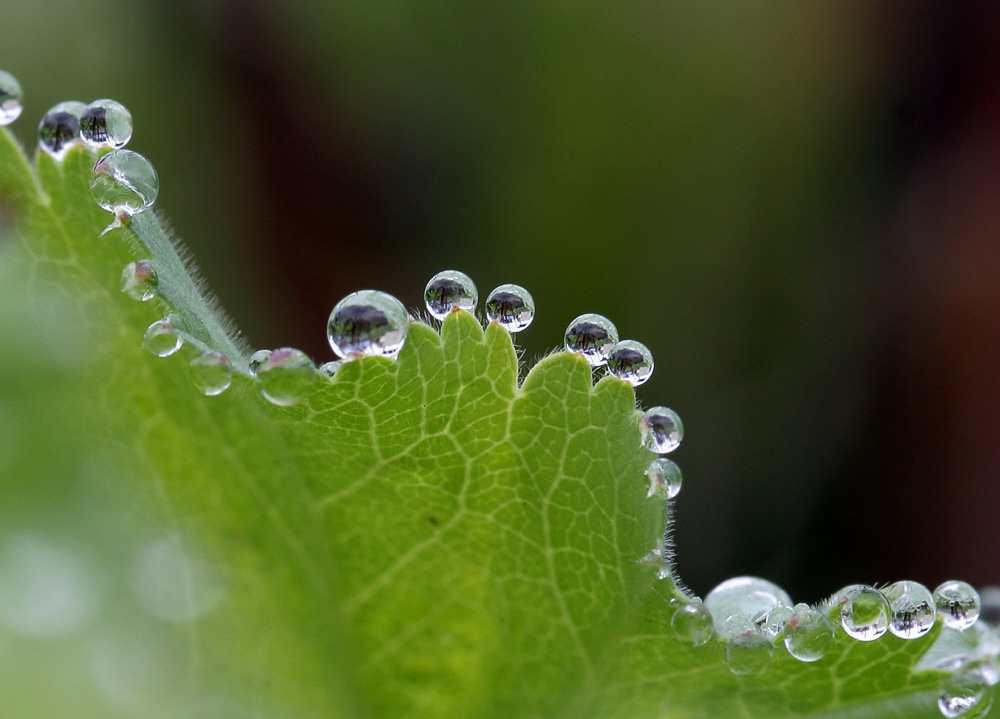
(748,653)
(664,478)
(510,306)
(139,280)
(864,612)
(751,598)
(654,559)
(161,338)
(774,624)
(450,290)
(256,360)
(106,123)
(368,322)
(329,368)
(958,603)
(211,373)
(965,694)
(913,609)
(808,634)
(662,430)
(593,336)
(59,129)
(124,182)
(285,376)
(631,362)
(11,98)
(692,623)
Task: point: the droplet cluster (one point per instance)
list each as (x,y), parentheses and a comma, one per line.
(101,124)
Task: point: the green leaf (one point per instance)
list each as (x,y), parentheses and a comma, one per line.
(421,537)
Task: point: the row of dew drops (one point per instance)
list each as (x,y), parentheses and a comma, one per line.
(749,614)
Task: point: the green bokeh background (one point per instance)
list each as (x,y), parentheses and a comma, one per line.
(730,182)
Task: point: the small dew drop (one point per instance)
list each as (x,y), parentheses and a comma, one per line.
(913,609)
(139,280)
(329,368)
(748,653)
(808,634)
(256,360)
(593,336)
(510,306)
(11,98)
(864,612)
(212,373)
(774,624)
(285,376)
(124,182)
(749,597)
(59,130)
(965,694)
(958,603)
(664,478)
(654,558)
(368,322)
(662,430)
(631,362)
(106,123)
(450,290)
(161,338)
(692,623)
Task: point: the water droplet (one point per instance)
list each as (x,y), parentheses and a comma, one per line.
(654,558)
(631,361)
(59,130)
(593,336)
(958,603)
(124,182)
(285,376)
(106,123)
(173,584)
(256,360)
(749,597)
(368,322)
(965,694)
(808,634)
(510,306)
(161,338)
(450,290)
(864,612)
(748,653)
(662,430)
(139,280)
(10,98)
(774,624)
(664,478)
(692,623)
(329,368)
(212,373)
(913,610)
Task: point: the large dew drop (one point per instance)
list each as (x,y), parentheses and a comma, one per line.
(106,123)
(59,130)
(285,376)
(662,430)
(631,362)
(664,478)
(212,373)
(450,290)
(966,694)
(593,336)
(368,322)
(510,306)
(139,280)
(808,634)
(124,182)
(748,653)
(749,598)
(161,338)
(692,623)
(10,98)
(864,612)
(958,603)
(913,610)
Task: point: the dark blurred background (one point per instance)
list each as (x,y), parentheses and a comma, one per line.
(795,205)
